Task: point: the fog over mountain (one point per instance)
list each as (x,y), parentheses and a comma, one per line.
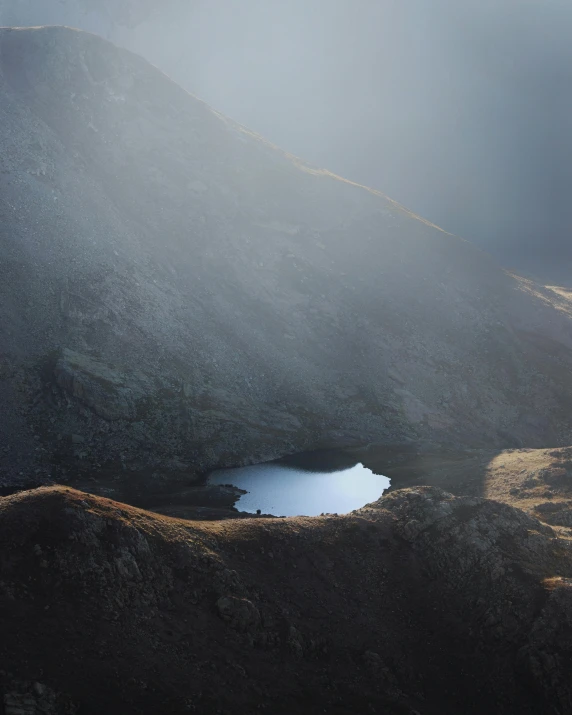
(220,301)
(460,111)
(180,296)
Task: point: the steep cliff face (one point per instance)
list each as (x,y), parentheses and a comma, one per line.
(176,293)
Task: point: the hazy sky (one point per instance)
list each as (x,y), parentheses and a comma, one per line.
(460,109)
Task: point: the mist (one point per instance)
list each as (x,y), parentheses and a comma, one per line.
(460,111)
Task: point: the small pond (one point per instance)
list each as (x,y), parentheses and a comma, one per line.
(286,490)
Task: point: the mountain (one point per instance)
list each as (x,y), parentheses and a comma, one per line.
(458,110)
(178,294)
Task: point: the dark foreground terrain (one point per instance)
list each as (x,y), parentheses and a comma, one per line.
(420,602)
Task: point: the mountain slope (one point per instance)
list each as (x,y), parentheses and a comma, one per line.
(176,293)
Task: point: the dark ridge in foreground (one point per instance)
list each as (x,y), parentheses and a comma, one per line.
(420,602)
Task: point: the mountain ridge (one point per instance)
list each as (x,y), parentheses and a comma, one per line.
(418,600)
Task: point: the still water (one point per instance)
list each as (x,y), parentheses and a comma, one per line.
(286,491)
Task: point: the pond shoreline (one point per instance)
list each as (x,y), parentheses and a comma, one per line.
(328,483)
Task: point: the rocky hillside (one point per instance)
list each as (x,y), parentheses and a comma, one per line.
(177,294)
(538,481)
(419,603)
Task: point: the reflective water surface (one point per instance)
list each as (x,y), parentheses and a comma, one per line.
(286,491)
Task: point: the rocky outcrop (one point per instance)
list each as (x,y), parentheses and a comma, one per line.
(176,290)
(548,654)
(110,394)
(25,698)
(420,602)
